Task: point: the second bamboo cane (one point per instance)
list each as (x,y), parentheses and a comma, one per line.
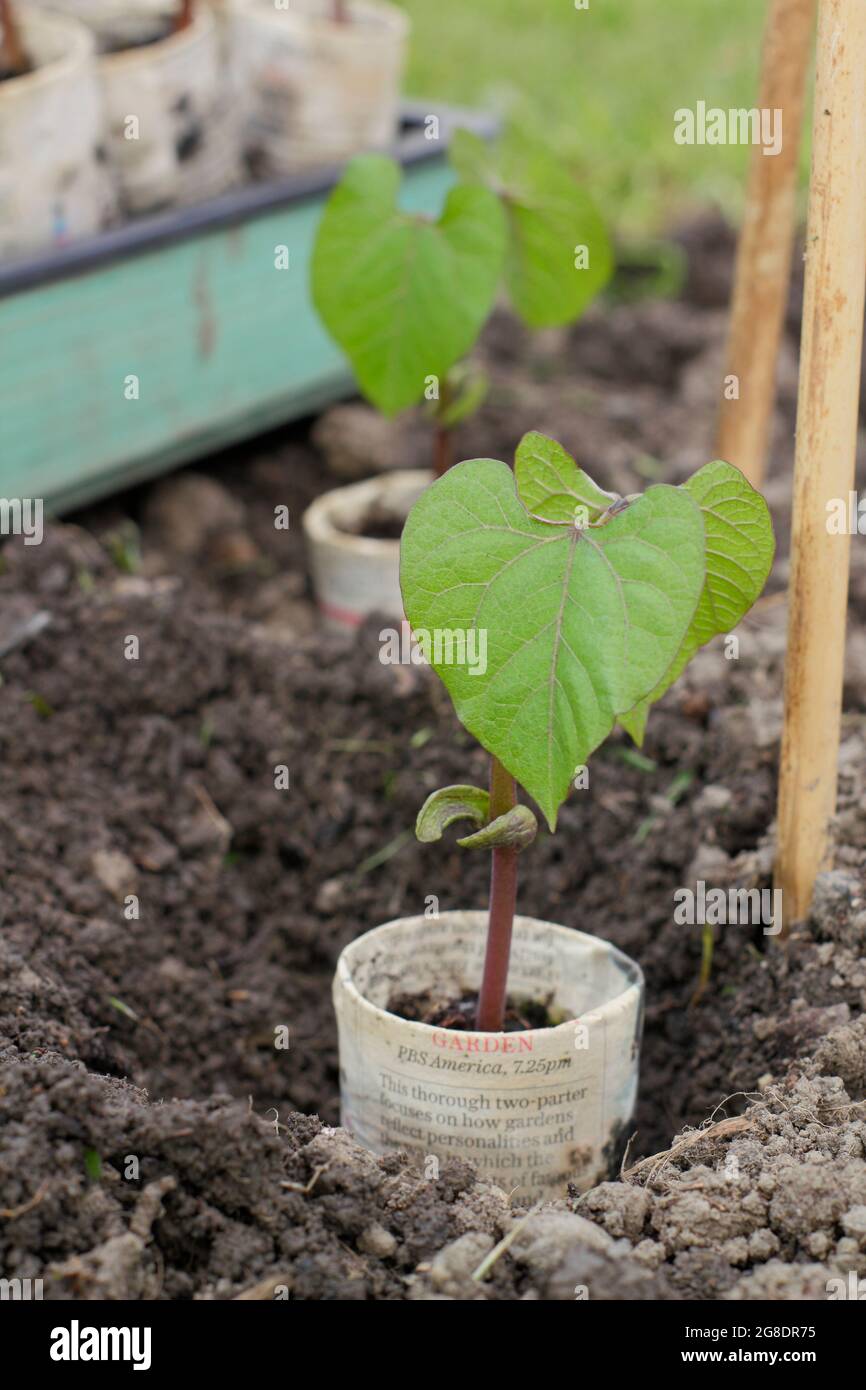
(826,441)
(763,268)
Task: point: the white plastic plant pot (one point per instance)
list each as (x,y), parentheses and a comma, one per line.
(534,1110)
(54,184)
(354,574)
(320,91)
(175,128)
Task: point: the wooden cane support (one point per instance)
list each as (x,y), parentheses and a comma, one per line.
(824,466)
(763,268)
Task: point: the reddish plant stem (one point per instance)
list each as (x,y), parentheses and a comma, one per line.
(503,897)
(341,12)
(443,450)
(12,49)
(443,441)
(185,16)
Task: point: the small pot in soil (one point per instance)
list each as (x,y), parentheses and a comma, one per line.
(355,573)
(536,1109)
(321,90)
(53,180)
(185,145)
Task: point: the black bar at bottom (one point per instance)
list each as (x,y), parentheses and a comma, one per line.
(82,1339)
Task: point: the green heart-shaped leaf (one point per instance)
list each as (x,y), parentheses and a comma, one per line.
(552,487)
(405,297)
(740,549)
(578,625)
(553,226)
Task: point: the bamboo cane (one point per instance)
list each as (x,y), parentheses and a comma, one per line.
(763,268)
(824,465)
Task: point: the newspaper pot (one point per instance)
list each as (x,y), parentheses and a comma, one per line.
(53,180)
(320,91)
(174,126)
(535,1110)
(354,574)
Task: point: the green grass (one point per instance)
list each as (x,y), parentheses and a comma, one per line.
(602,85)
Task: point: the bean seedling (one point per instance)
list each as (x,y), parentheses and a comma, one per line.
(591,605)
(406,296)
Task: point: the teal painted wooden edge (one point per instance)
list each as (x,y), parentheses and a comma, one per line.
(222,344)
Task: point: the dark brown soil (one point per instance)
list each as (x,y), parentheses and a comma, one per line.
(8,74)
(461,1013)
(133,31)
(379,525)
(166,909)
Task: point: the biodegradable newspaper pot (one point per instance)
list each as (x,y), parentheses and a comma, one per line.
(53,181)
(355,574)
(534,1110)
(320,91)
(174,123)
(190,129)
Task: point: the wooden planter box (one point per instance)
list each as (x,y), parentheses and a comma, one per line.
(189,302)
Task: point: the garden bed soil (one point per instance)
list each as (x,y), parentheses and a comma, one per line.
(167,910)
(9,73)
(127,32)
(378,523)
(519,1015)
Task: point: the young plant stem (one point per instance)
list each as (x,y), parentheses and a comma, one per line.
(185,16)
(503,897)
(12,49)
(443,440)
(341,12)
(443,450)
